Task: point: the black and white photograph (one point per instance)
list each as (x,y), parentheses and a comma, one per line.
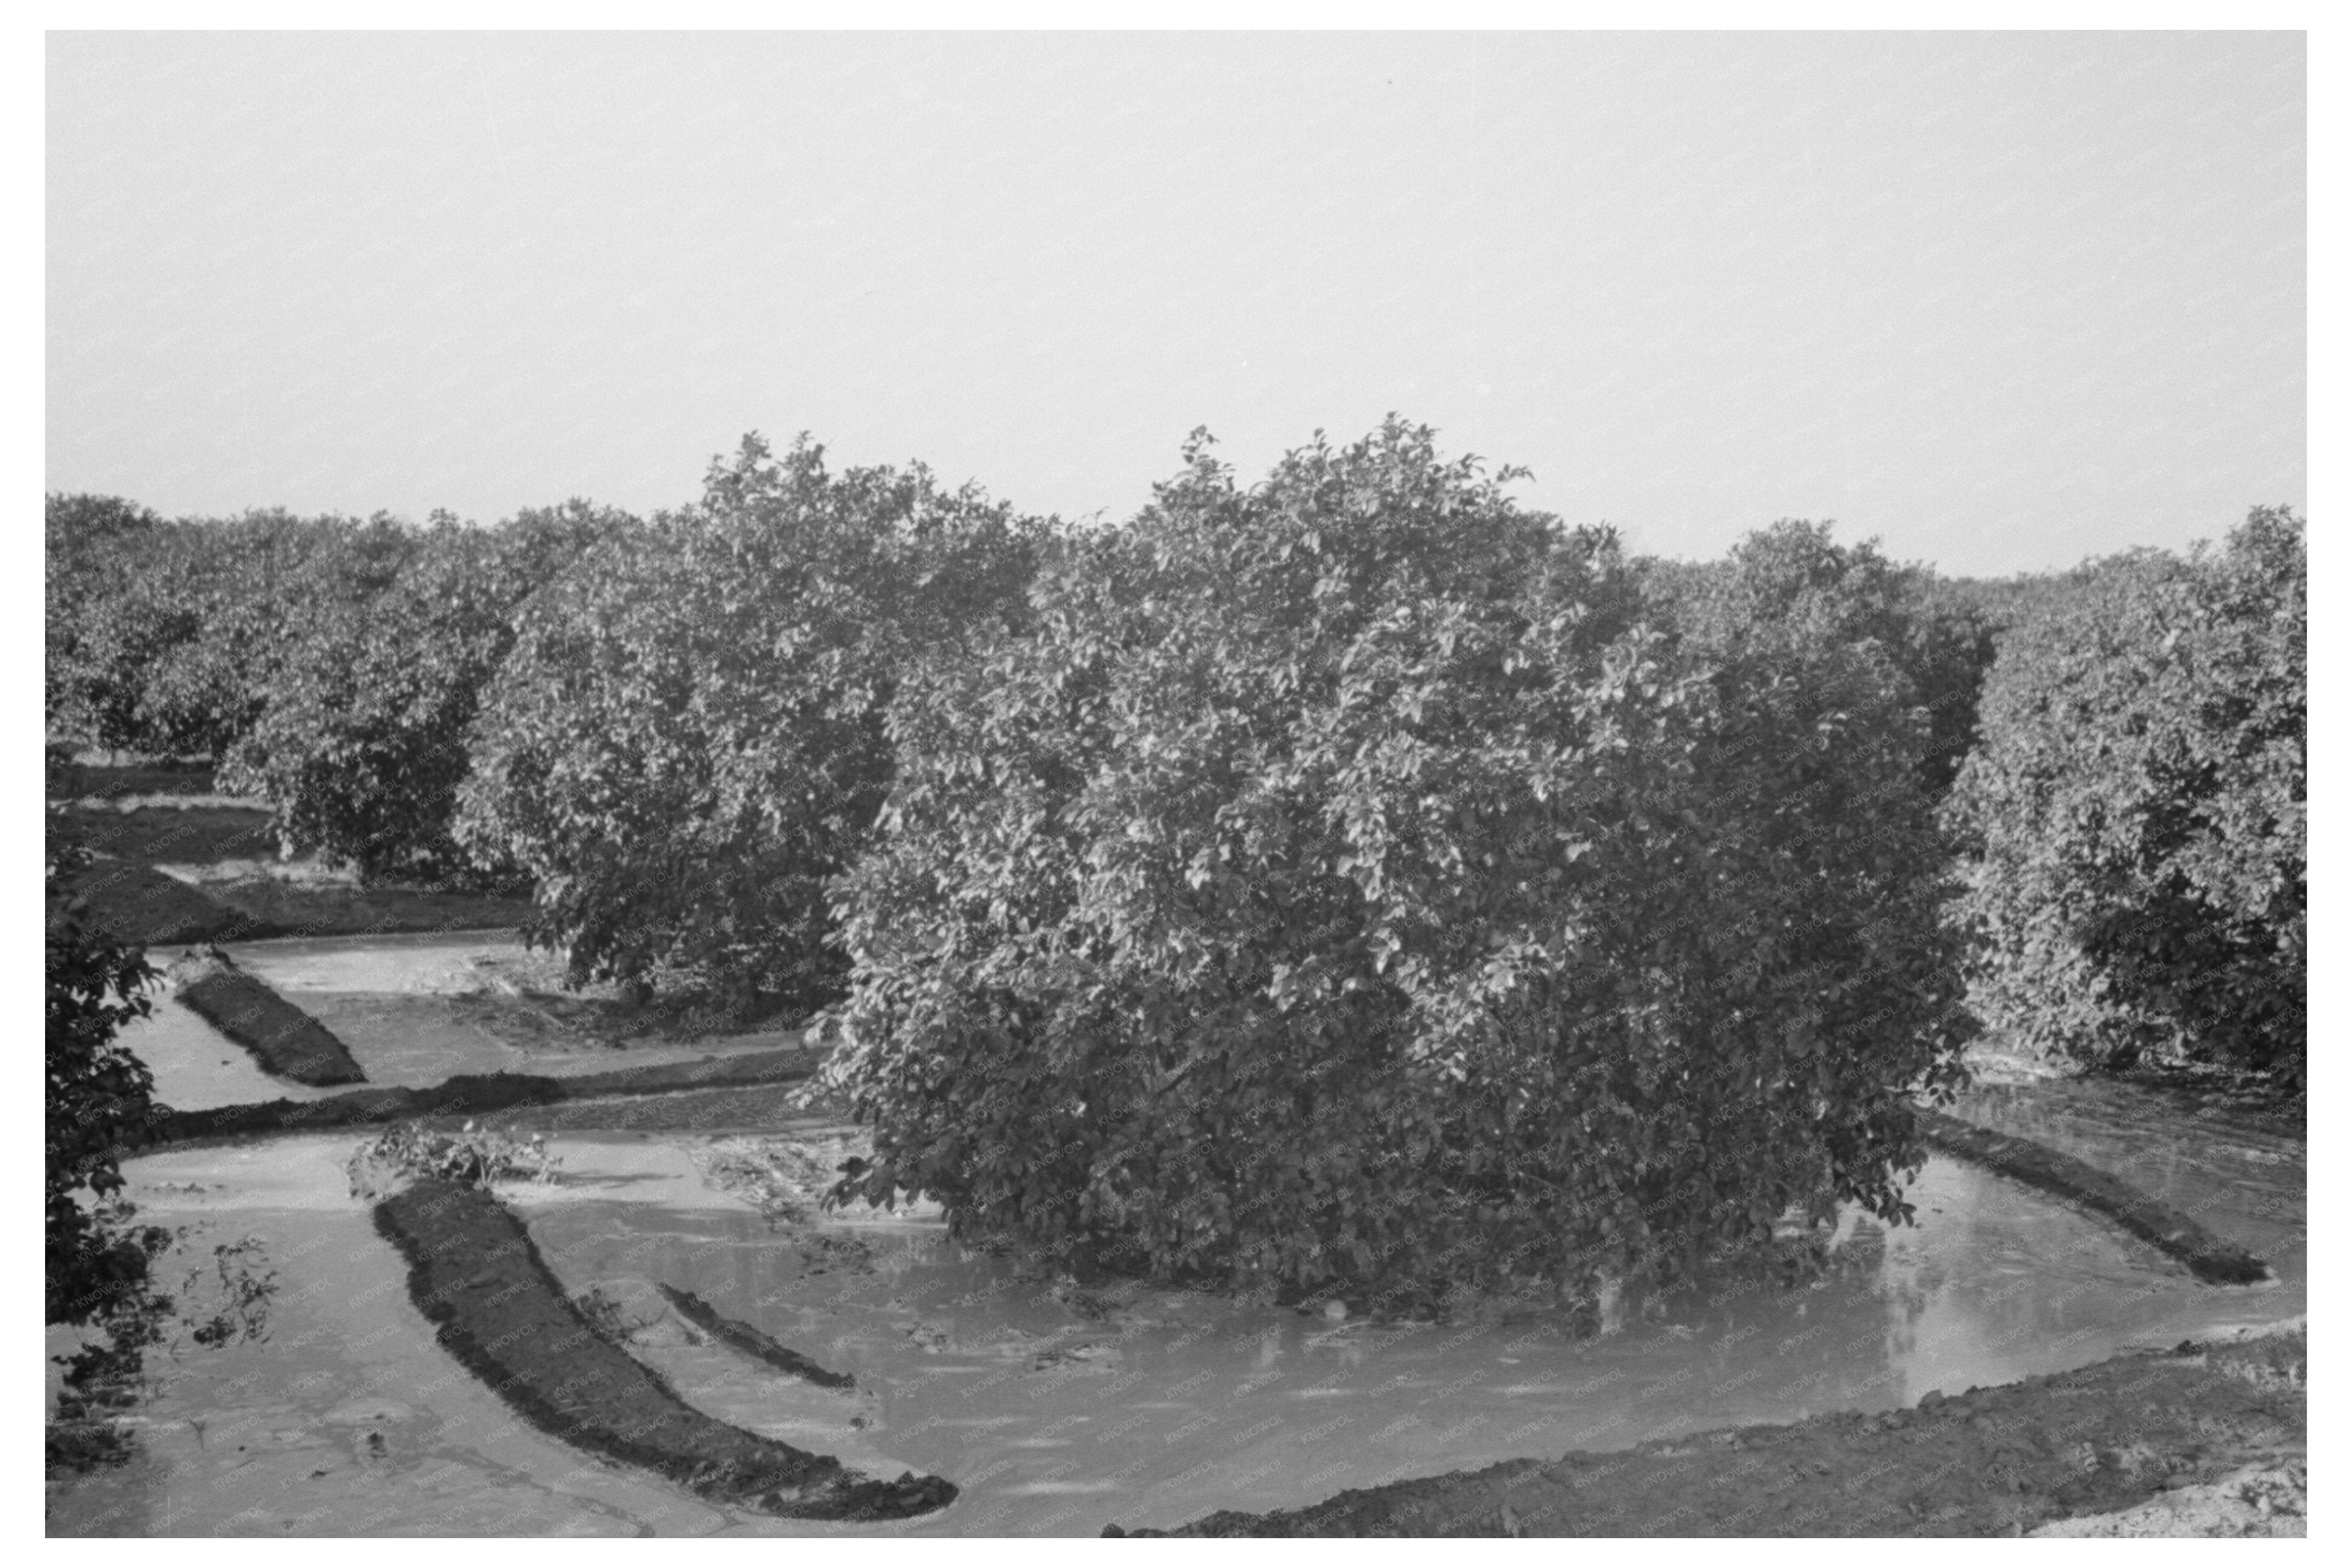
(1335,776)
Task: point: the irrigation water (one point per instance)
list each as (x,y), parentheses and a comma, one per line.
(1057,1409)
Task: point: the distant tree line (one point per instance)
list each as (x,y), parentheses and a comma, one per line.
(1348,873)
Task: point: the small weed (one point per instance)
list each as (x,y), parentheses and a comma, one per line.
(468,1157)
(608,1317)
(246,1285)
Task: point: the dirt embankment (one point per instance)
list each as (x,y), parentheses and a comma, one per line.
(178,868)
(166,830)
(138,905)
(470,1094)
(474,1271)
(100,779)
(2212,1437)
(751,1341)
(288,1042)
(2209,1257)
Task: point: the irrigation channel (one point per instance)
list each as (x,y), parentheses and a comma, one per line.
(1053,1409)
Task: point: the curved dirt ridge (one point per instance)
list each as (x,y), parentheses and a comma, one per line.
(2096,1442)
(2208,1255)
(748,1340)
(141,906)
(475,1273)
(288,1042)
(473,1093)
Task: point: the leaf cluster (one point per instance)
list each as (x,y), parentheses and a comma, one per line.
(469,1157)
(686,740)
(166,638)
(1353,876)
(99,1106)
(2136,811)
(362,741)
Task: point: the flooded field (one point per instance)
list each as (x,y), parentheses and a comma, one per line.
(1057,1410)
(414,1011)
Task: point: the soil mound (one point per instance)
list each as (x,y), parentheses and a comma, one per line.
(751,1341)
(287,1041)
(474,1271)
(2209,1257)
(140,905)
(1995,1461)
(472,1094)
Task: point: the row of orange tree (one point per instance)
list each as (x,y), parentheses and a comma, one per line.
(2134,817)
(1342,877)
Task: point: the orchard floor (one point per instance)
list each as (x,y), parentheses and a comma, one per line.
(222,877)
(1058,1411)
(414,1010)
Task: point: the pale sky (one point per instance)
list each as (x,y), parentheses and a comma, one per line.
(2003,300)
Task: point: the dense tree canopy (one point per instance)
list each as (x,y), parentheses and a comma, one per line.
(99,1106)
(362,742)
(1345,878)
(687,739)
(1938,635)
(179,629)
(2137,810)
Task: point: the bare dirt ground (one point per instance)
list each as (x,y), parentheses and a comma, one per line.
(180,863)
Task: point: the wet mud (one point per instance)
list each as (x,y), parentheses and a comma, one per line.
(474,1271)
(1991,1461)
(2209,1257)
(188,830)
(138,905)
(288,1042)
(476,1094)
(421,1009)
(751,1341)
(180,864)
(1058,1407)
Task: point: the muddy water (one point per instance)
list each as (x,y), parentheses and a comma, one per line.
(1057,1412)
(2239,1171)
(347,1419)
(197,1067)
(414,1010)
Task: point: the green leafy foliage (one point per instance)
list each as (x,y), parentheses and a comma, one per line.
(687,740)
(176,631)
(2137,809)
(1938,635)
(87,538)
(229,1304)
(469,1157)
(1345,879)
(362,741)
(99,1106)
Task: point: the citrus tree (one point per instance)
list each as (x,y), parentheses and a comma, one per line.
(686,739)
(90,543)
(362,741)
(177,631)
(1351,877)
(2137,811)
(1937,636)
(99,1106)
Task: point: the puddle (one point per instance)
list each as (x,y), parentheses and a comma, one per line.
(1057,1411)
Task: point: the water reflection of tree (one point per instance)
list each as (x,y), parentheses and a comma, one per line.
(1909,1279)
